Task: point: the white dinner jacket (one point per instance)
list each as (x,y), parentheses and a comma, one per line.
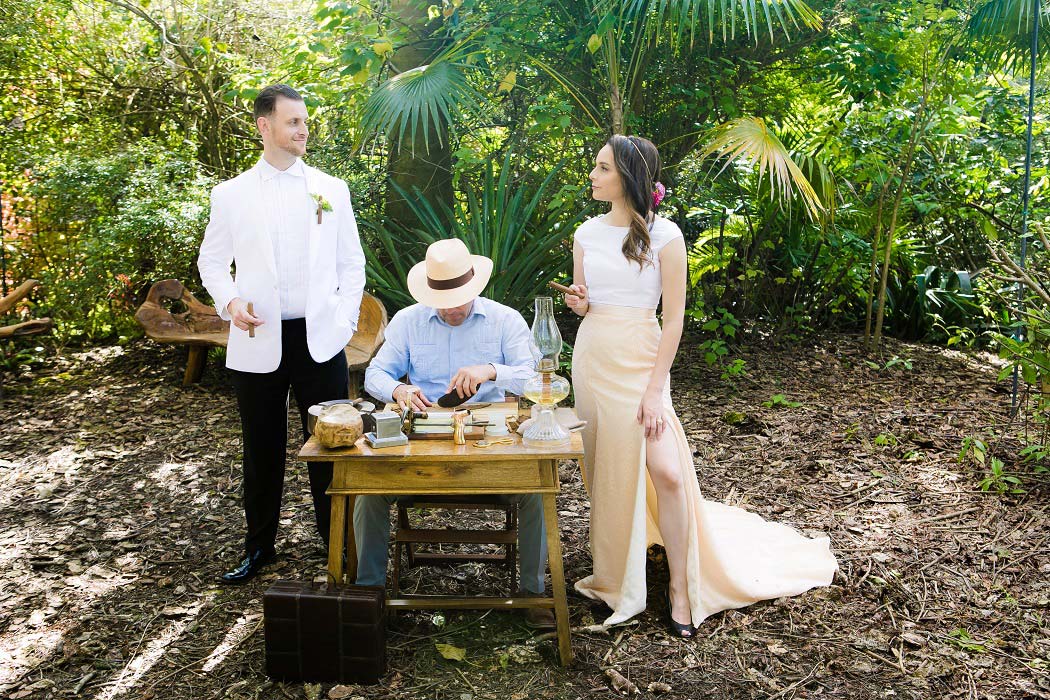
(238,232)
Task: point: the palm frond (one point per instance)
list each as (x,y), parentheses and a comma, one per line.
(686,16)
(1003,31)
(422,98)
(748,138)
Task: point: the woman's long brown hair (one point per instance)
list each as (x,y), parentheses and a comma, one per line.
(638,163)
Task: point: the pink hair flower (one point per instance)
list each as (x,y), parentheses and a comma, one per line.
(658,194)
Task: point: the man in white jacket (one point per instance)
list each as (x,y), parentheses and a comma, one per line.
(290,233)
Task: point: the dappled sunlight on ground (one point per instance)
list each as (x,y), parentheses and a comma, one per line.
(120,508)
(144,660)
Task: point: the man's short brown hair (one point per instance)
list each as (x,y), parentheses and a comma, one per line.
(267,98)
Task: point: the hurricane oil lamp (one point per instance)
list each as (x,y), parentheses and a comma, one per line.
(546,388)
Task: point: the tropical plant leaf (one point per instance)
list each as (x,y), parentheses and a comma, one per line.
(685,16)
(1003,30)
(749,139)
(504,218)
(420,99)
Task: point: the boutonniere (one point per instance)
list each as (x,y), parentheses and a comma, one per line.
(322,204)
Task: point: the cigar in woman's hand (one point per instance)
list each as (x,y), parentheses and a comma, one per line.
(561,288)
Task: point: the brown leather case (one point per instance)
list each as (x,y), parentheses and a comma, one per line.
(317,633)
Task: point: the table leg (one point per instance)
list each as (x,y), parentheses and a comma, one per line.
(351,542)
(336,531)
(561,608)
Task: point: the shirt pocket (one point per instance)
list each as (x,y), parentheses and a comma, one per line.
(421,358)
(490,351)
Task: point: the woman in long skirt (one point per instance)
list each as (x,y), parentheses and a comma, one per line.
(638,467)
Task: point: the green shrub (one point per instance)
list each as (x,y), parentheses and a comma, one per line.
(525,228)
(105,228)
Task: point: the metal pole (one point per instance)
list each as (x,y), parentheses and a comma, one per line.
(1019,332)
(3,249)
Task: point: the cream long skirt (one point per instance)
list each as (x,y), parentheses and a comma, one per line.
(734,558)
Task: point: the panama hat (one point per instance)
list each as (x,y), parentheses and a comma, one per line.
(449,276)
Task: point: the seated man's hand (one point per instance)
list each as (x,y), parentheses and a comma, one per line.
(411,396)
(466,381)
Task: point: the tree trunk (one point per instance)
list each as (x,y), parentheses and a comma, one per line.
(411,163)
(922,118)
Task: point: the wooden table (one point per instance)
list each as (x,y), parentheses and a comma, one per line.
(440,467)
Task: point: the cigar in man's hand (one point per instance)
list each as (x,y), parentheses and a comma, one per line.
(251,326)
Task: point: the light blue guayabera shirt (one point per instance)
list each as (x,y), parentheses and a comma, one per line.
(429,351)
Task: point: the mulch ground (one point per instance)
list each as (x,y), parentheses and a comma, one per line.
(119,506)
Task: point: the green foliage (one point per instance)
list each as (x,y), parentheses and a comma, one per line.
(781,401)
(895,361)
(1029,355)
(962,639)
(885,440)
(107,228)
(1038,457)
(724,326)
(935,297)
(15,353)
(998,481)
(419,99)
(508,217)
(995,479)
(1002,30)
(839,106)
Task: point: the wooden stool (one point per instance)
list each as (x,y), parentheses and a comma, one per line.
(408,537)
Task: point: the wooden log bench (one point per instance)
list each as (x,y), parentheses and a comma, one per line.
(199,327)
(38,325)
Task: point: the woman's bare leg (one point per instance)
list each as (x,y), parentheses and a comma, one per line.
(662,461)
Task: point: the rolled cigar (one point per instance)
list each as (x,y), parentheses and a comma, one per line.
(561,288)
(251,326)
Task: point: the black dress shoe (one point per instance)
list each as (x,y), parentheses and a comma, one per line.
(249,567)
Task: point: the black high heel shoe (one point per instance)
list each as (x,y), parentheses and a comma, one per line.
(686,631)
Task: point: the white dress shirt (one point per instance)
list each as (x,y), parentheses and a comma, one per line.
(288,211)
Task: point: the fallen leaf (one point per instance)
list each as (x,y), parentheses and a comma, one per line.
(452,653)
(339,692)
(658,688)
(914,638)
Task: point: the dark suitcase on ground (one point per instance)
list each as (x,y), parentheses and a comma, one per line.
(316,632)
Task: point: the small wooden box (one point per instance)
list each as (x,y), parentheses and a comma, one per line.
(321,633)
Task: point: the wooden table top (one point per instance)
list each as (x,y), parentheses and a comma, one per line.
(441,451)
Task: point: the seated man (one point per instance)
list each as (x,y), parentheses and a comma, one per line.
(452,339)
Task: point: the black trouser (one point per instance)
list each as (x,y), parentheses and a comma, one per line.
(262,399)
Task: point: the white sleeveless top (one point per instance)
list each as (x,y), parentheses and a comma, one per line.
(612,278)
